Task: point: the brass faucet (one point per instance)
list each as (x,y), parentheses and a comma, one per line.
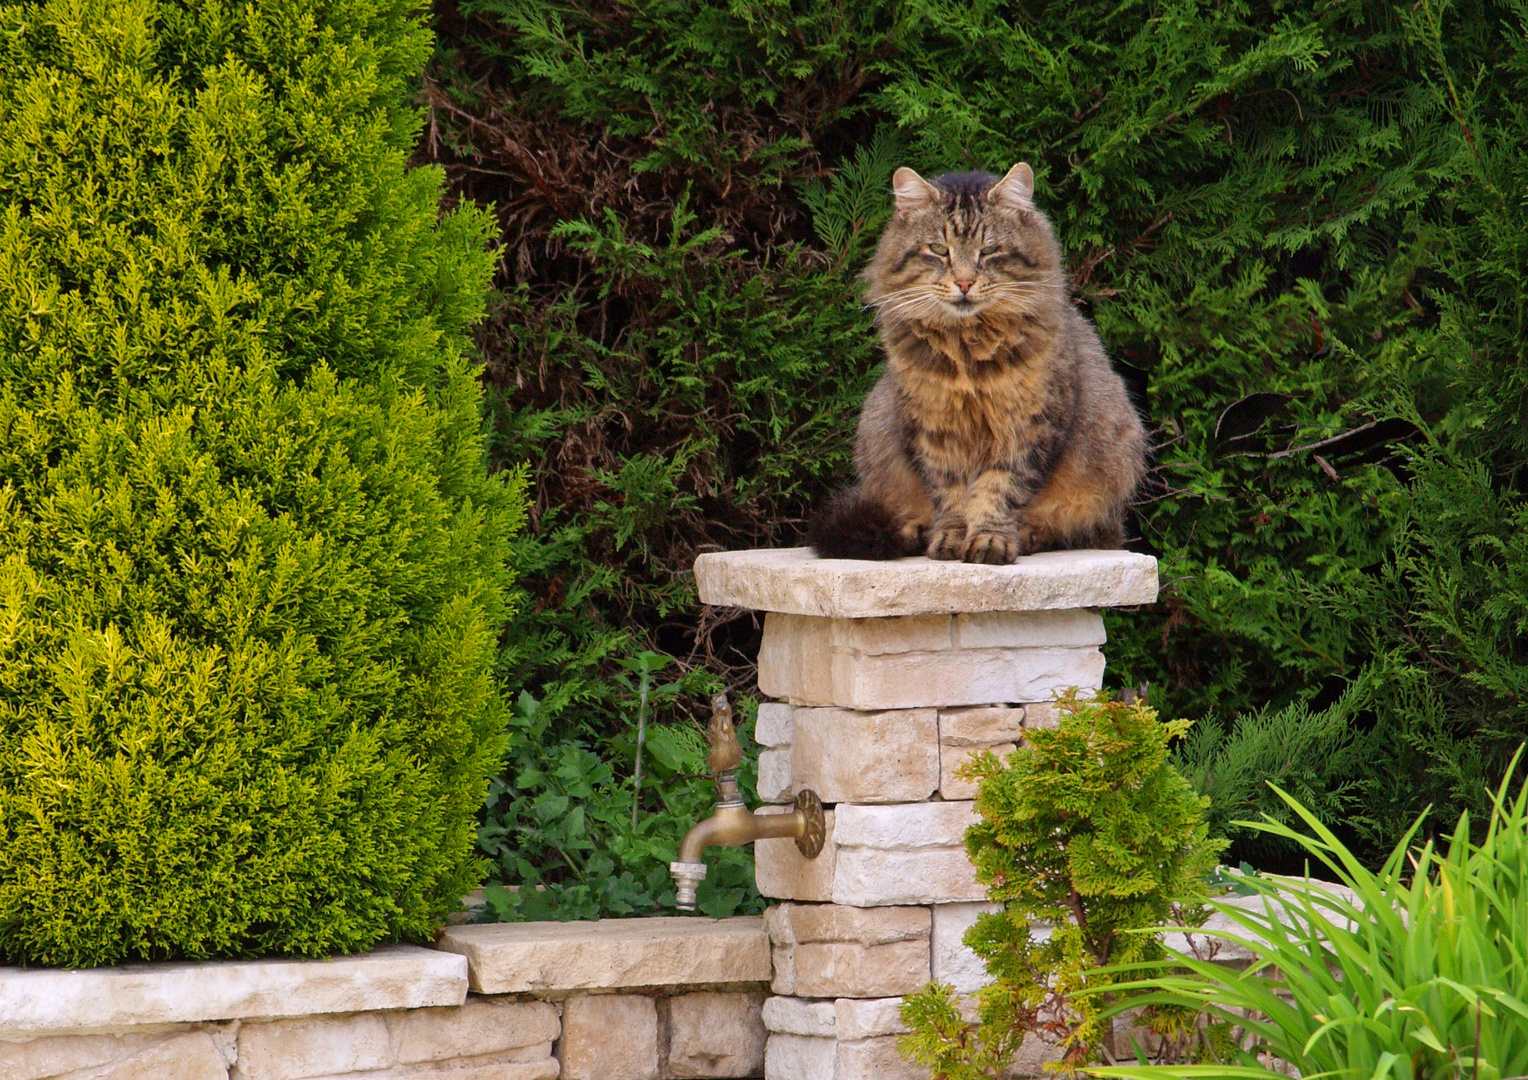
(732,824)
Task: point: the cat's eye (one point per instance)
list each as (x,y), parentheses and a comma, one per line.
(939,249)
(988,252)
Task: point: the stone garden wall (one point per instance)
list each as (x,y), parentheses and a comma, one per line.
(883,680)
(640,999)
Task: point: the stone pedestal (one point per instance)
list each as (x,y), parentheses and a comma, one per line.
(884,678)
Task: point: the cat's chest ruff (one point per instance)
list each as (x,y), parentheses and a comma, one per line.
(986,411)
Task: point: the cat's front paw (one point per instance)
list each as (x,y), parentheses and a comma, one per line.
(996,549)
(947,544)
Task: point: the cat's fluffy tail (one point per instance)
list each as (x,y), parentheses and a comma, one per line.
(851,525)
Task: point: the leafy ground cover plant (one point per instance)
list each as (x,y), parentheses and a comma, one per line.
(560,829)
(1295,224)
(1088,831)
(253,572)
(1420,976)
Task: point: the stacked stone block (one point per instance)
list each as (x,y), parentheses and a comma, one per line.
(883,680)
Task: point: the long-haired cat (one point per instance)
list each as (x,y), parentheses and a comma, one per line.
(999,428)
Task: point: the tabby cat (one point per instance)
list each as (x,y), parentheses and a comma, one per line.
(999,428)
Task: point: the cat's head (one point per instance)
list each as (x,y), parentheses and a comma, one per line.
(965,246)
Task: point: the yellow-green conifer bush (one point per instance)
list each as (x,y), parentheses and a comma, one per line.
(252,567)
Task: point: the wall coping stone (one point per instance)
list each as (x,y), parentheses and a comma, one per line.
(536,957)
(36,1002)
(796,582)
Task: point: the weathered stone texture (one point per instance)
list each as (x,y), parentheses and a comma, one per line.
(798,663)
(314,1046)
(609,1037)
(775,725)
(477,1028)
(511,958)
(795,1016)
(867,757)
(794,580)
(39,1001)
(876,1059)
(868,1019)
(952,962)
(715,1035)
(194,1055)
(823,950)
(800,1057)
(982,726)
(782,872)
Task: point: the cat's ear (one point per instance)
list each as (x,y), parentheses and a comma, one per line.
(1016,190)
(912,191)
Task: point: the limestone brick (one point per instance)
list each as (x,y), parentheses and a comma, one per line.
(714,1035)
(775,775)
(795,1016)
(609,1037)
(868,1018)
(876,1059)
(952,784)
(1028,629)
(833,969)
(952,962)
(793,580)
(800,1057)
(194,1055)
(874,757)
(39,1059)
(798,666)
(774,726)
(1040,714)
(314,1046)
(823,950)
(476,1028)
(866,877)
(809,923)
(40,1001)
(517,958)
(983,726)
(903,827)
(782,872)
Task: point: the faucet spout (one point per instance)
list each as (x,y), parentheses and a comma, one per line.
(732,824)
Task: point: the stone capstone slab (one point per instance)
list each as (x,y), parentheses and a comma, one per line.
(39,1002)
(712,1035)
(795,581)
(518,958)
(610,1037)
(799,663)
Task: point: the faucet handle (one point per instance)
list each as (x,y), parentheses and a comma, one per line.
(726,750)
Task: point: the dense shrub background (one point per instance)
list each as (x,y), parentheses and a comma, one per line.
(253,569)
(1299,226)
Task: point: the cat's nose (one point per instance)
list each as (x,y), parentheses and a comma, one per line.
(964,284)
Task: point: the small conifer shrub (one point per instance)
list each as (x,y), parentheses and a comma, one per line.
(1090,831)
(252,574)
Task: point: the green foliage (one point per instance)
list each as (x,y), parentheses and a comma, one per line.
(1297,225)
(253,575)
(1419,975)
(560,828)
(1089,830)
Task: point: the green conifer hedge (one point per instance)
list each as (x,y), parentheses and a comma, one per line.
(252,567)
(1299,226)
